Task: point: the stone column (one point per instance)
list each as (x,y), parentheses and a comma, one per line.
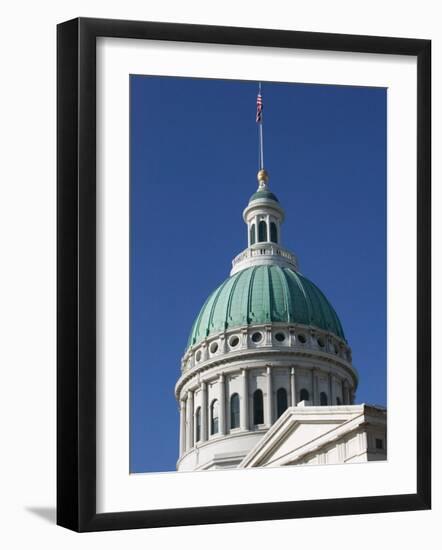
(244,409)
(222,404)
(190,419)
(293,400)
(269,408)
(204,411)
(268,227)
(332,389)
(314,388)
(346,393)
(182,426)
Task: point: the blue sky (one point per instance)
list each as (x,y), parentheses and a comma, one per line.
(194,158)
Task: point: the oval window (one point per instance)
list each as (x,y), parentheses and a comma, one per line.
(256,337)
(234,341)
(280,336)
(214,347)
(302,338)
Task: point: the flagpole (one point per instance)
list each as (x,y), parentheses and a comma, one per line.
(261,141)
(261,146)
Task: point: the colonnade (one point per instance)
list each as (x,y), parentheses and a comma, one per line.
(187,408)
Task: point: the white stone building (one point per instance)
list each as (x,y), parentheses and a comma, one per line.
(267,376)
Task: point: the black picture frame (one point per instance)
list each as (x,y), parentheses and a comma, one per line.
(76,274)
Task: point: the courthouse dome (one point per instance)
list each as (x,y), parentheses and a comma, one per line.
(265,294)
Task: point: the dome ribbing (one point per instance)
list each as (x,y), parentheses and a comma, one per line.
(264,294)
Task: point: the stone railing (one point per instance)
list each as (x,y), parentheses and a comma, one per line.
(268,252)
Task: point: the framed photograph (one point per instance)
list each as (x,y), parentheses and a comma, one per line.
(243,274)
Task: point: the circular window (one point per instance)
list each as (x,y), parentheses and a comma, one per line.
(280,336)
(198,356)
(302,338)
(234,341)
(256,337)
(321,342)
(213,347)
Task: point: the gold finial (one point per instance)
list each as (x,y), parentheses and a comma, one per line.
(263,178)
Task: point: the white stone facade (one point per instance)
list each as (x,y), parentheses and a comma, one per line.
(320,369)
(322,435)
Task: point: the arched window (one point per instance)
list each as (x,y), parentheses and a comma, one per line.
(345,394)
(304,395)
(273,232)
(198,424)
(258,407)
(281,401)
(323,399)
(252,234)
(234,411)
(262,231)
(338,401)
(214,418)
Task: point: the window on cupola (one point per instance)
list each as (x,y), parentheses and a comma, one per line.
(273,232)
(252,234)
(262,232)
(323,398)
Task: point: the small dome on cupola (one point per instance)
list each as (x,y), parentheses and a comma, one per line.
(263,195)
(263,191)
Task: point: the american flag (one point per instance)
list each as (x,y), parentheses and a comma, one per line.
(259,109)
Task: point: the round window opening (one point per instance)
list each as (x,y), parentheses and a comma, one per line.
(198,355)
(256,337)
(321,342)
(280,336)
(234,341)
(214,347)
(302,338)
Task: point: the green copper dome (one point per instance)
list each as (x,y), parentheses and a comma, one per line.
(263,194)
(264,294)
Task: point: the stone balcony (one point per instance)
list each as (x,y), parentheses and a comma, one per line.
(261,254)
